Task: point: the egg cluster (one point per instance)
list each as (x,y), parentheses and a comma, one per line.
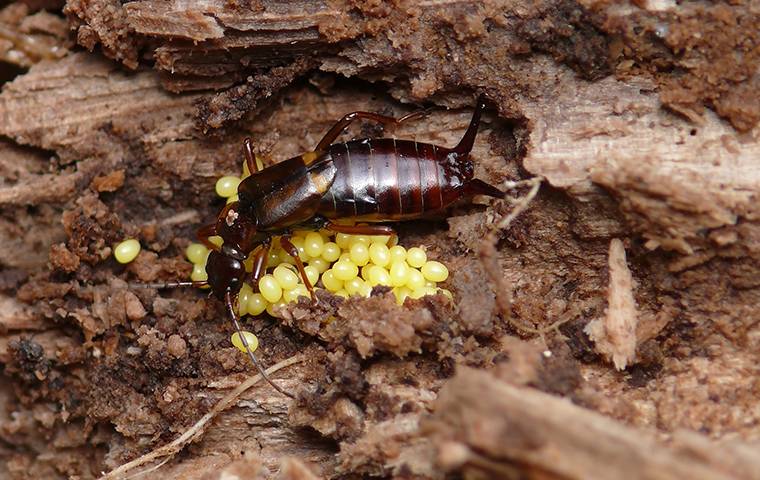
(345,265)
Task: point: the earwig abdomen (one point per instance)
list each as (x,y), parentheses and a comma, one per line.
(380,180)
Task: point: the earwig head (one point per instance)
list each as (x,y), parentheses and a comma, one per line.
(225,270)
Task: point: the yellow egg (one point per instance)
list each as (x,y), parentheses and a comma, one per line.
(199,273)
(414,279)
(416,257)
(354,239)
(250,339)
(355,286)
(270,288)
(257,304)
(397,253)
(126,251)
(345,256)
(216,240)
(196,253)
(273,258)
(292,295)
(365,290)
(446,292)
(271,307)
(401,293)
(321,265)
(244,297)
(313,244)
(331,251)
(233,199)
(379,254)
(398,273)
(345,270)
(312,274)
(381,239)
(342,293)
(359,254)
(286,277)
(379,276)
(331,282)
(421,292)
(342,239)
(365,271)
(435,271)
(298,242)
(227,186)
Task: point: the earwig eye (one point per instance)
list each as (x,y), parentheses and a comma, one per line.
(231,217)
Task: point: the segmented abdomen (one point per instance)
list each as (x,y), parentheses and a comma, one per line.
(388,179)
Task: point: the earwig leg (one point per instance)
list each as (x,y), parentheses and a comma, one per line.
(250,157)
(233,317)
(293,252)
(344,122)
(207,231)
(259,265)
(362,229)
(468,139)
(479,187)
(160,285)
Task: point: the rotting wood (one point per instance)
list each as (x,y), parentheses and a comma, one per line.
(232,39)
(495,428)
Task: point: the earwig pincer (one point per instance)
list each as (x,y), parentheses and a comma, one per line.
(372,181)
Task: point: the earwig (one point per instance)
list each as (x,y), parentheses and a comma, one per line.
(366,180)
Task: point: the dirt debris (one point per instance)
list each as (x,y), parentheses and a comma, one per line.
(28,36)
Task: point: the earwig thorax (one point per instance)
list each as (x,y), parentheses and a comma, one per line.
(236,228)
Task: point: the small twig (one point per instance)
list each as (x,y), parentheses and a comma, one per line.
(149,470)
(488,255)
(174,447)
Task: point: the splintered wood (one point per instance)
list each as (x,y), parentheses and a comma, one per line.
(615,335)
(483,426)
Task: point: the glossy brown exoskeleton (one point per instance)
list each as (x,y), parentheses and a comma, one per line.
(366,180)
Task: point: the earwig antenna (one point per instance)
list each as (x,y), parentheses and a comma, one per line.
(231,309)
(168,284)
